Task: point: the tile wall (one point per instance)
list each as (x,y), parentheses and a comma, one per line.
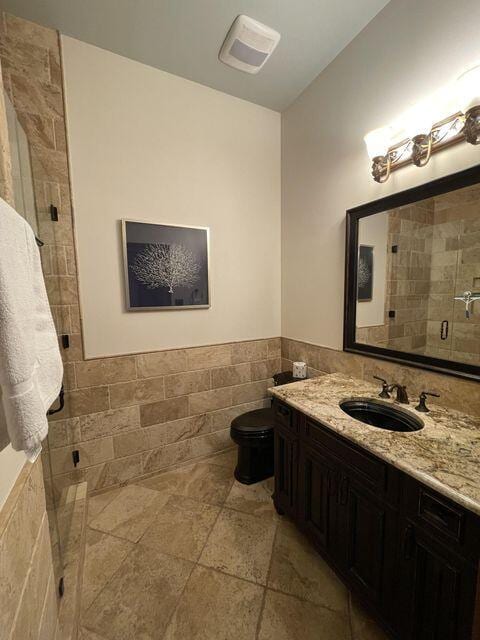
(133,415)
(28,602)
(455,393)
(455,269)
(28,585)
(407,281)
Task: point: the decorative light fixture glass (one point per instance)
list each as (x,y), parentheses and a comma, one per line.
(426,130)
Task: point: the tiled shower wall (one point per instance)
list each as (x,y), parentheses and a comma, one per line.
(407,280)
(28,603)
(437,258)
(129,415)
(455,269)
(409,275)
(28,586)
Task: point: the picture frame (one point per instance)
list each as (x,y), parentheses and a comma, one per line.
(166,266)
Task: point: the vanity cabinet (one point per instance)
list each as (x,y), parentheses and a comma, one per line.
(286,458)
(286,451)
(409,554)
(436,589)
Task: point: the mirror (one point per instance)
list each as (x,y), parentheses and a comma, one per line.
(413,276)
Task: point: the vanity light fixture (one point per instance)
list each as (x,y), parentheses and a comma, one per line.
(420,132)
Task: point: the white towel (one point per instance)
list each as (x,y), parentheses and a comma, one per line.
(31,367)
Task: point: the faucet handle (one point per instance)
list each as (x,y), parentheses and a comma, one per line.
(384,392)
(423,396)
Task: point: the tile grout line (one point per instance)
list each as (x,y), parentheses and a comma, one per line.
(82,612)
(103,508)
(265,587)
(195,564)
(112,535)
(264,596)
(180,596)
(306,601)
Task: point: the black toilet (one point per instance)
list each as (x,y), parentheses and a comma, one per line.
(253,433)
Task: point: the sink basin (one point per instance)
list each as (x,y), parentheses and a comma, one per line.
(380,415)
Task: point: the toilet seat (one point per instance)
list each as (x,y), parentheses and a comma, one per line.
(253,424)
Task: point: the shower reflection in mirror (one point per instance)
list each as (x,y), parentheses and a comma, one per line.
(418,277)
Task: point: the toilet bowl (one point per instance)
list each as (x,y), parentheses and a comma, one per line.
(253,433)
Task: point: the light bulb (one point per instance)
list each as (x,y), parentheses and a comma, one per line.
(418,120)
(468,89)
(378,142)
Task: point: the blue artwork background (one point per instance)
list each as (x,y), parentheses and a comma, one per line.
(138,236)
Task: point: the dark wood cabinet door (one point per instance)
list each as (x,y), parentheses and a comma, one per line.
(437,589)
(367,535)
(286,465)
(318,480)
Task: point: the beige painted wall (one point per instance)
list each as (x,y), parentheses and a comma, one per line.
(408,51)
(151,146)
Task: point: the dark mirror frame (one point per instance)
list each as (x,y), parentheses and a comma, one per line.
(449,183)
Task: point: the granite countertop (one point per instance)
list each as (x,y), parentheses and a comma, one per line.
(444,455)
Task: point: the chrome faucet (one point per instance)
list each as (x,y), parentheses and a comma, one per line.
(468,298)
(402,396)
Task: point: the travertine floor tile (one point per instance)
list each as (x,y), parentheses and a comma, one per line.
(85,634)
(215,606)
(241,545)
(287,618)
(138,601)
(103,556)
(181,527)
(227,459)
(202,481)
(130,513)
(130,591)
(298,569)
(363,627)
(96,504)
(253,498)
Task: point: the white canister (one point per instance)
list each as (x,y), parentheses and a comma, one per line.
(299,370)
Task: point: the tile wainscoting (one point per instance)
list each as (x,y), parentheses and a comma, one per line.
(129,416)
(455,393)
(28,601)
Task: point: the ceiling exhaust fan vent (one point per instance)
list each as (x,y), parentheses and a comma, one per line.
(248,45)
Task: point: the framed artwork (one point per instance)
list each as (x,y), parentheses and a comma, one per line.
(166,266)
(365,273)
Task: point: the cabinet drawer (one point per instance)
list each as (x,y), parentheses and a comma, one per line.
(284,415)
(438,515)
(369,469)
